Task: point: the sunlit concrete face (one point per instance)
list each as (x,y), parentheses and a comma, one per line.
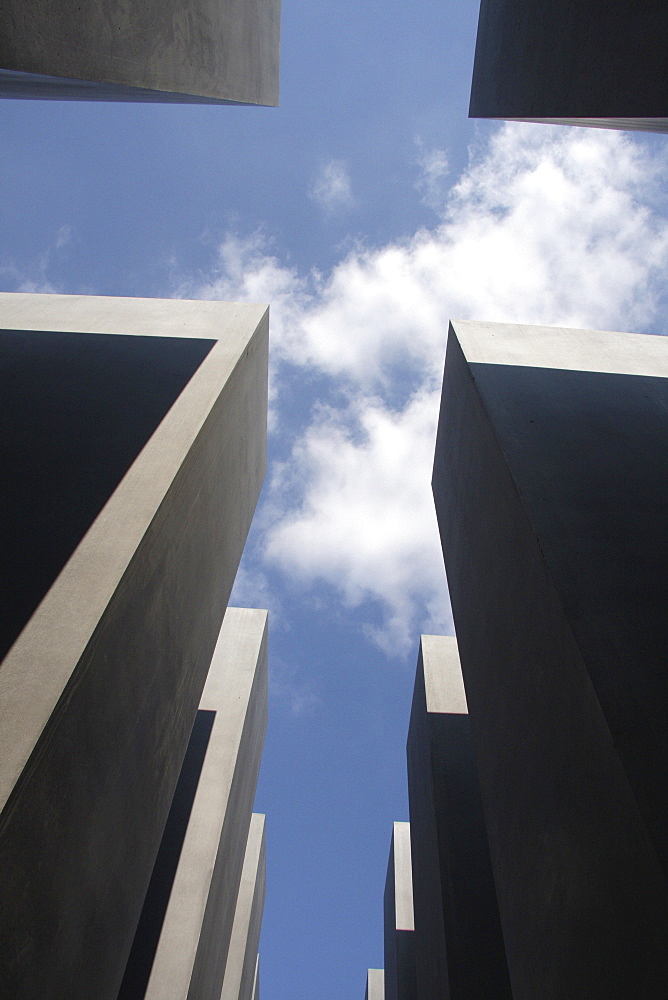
(459,949)
(241,980)
(551,491)
(375,985)
(572,62)
(106,652)
(212,51)
(199,929)
(399,930)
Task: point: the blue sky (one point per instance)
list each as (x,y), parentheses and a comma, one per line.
(368,210)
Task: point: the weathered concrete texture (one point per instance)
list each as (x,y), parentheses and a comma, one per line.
(212,51)
(99,691)
(186,927)
(458,941)
(574,62)
(399,936)
(552,498)
(241,970)
(375,985)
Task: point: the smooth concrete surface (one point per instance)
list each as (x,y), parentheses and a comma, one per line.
(99,691)
(458,942)
(552,497)
(399,926)
(212,51)
(375,985)
(186,928)
(241,970)
(572,62)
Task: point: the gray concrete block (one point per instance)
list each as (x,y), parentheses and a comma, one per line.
(215,51)
(573,62)
(241,980)
(458,940)
(100,687)
(375,985)
(399,926)
(211,850)
(552,497)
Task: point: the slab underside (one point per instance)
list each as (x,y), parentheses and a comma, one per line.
(458,939)
(99,691)
(213,51)
(551,493)
(572,61)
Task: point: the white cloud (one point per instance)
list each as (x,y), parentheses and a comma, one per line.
(331,189)
(36,277)
(431,181)
(547,226)
(366,523)
(63,236)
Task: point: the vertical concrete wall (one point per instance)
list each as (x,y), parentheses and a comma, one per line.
(213,51)
(550,489)
(186,928)
(572,61)
(99,692)
(458,941)
(399,931)
(241,968)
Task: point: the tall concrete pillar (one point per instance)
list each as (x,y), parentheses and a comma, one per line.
(399,933)
(458,942)
(572,62)
(135,436)
(551,489)
(211,858)
(215,52)
(241,980)
(375,985)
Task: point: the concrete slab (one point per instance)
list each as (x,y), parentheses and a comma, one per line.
(458,942)
(399,933)
(375,985)
(208,855)
(572,62)
(99,690)
(552,497)
(216,51)
(241,980)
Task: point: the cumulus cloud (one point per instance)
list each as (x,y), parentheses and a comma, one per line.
(433,168)
(331,189)
(548,226)
(365,523)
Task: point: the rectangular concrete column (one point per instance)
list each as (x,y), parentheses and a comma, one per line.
(183,940)
(551,489)
(573,62)
(241,980)
(219,51)
(399,933)
(375,985)
(135,441)
(458,941)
